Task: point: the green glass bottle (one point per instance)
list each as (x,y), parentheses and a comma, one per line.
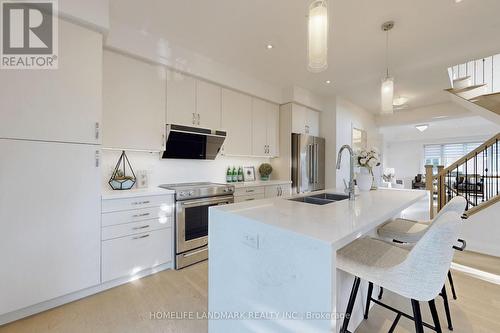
(229,175)
(240,174)
(235,175)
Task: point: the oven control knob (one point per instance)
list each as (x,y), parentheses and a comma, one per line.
(227,189)
(182,194)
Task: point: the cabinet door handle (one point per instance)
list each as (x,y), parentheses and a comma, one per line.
(141,227)
(97,131)
(139,237)
(141,215)
(250,191)
(194,118)
(249,199)
(97,158)
(140,202)
(199,118)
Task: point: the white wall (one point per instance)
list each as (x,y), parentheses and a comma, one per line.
(481,231)
(167,171)
(349,115)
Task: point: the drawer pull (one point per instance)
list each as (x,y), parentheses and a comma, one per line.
(250,191)
(250,199)
(140,202)
(139,237)
(141,215)
(141,227)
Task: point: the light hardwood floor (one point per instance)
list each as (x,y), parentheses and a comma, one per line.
(128,308)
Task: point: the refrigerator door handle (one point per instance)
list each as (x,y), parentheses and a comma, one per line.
(310,172)
(316,163)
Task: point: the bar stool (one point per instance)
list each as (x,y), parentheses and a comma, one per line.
(417,273)
(410,231)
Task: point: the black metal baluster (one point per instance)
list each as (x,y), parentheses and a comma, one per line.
(485,179)
(467,194)
(496,145)
(475,172)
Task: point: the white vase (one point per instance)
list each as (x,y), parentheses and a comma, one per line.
(364,180)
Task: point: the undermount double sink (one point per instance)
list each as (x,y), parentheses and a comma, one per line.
(321,199)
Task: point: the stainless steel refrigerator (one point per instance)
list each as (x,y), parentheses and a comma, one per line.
(308,163)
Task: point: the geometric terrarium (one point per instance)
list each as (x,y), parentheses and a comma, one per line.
(123,177)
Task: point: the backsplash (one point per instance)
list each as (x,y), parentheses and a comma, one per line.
(166,171)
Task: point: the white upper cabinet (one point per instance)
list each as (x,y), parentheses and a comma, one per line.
(304,120)
(237,121)
(57,105)
(265,120)
(181,99)
(134,103)
(208,105)
(273,120)
(192,102)
(312,122)
(259,127)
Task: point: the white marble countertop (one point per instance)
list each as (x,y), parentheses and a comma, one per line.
(108,194)
(260,183)
(337,223)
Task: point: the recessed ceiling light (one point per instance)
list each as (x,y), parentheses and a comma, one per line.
(269,46)
(457,1)
(328,81)
(422,127)
(440,117)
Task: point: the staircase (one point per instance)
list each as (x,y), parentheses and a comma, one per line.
(476,86)
(475,176)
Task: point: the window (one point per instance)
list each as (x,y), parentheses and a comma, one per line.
(446,154)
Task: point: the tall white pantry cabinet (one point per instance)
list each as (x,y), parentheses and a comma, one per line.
(49,174)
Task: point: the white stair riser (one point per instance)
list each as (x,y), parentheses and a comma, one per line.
(473,93)
(462,83)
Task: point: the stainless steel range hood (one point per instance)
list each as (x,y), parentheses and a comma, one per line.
(193,143)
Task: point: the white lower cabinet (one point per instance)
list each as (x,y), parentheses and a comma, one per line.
(281,190)
(127,256)
(250,197)
(137,234)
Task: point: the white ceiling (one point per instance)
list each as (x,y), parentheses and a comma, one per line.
(429,36)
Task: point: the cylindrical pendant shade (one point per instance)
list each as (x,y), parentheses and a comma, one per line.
(317,45)
(387,94)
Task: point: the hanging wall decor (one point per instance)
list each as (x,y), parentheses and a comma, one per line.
(123,177)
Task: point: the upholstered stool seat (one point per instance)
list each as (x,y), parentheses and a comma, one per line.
(403,230)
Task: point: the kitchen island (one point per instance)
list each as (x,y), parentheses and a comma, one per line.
(272,262)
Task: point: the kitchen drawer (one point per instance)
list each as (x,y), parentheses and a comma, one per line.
(249,190)
(251,197)
(113,205)
(282,190)
(129,255)
(127,229)
(127,216)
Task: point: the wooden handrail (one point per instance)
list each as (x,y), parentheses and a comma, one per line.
(490,142)
(482,206)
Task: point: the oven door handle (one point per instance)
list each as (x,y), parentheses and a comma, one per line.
(206,202)
(190,254)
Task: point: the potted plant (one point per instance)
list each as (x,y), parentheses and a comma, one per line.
(367,160)
(265,170)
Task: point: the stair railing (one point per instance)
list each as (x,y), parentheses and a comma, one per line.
(474,176)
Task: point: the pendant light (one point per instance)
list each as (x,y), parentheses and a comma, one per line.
(317,41)
(387,88)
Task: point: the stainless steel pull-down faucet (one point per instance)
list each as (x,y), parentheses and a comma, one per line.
(350,187)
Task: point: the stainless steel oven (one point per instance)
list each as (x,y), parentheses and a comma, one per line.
(191,218)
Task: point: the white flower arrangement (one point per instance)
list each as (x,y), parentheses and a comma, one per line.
(369,158)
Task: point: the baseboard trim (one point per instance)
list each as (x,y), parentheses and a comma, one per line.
(53,303)
(476,273)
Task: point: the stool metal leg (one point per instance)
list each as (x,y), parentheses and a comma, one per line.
(350,305)
(368,299)
(417,315)
(380,293)
(450,278)
(446,307)
(435,316)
